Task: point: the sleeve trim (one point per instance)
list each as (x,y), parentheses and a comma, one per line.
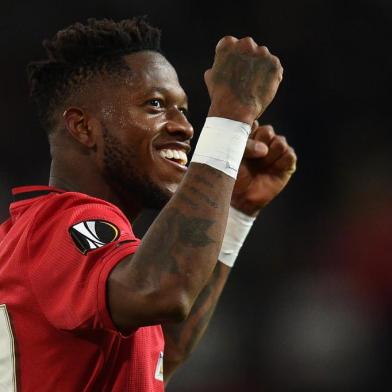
(108,264)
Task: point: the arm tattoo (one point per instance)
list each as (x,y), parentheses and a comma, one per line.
(164,254)
(203,196)
(187,200)
(188,333)
(193,231)
(204,180)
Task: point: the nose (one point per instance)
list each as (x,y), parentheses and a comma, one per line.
(178,124)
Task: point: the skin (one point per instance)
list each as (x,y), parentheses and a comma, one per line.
(180,288)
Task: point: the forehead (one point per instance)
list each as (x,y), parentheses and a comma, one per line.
(151,70)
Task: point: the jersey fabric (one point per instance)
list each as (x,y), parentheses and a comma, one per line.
(57,250)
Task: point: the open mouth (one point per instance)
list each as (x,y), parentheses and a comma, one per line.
(176,156)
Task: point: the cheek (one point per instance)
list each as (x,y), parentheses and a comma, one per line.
(133,133)
(108,113)
(132,137)
(137,127)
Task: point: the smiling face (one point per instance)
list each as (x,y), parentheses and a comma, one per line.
(145,132)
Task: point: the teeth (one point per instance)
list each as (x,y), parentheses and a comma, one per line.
(176,154)
(183,157)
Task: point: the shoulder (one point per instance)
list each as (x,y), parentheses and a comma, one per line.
(77,215)
(65,211)
(75,204)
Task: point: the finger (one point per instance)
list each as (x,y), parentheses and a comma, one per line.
(263,50)
(255,149)
(277,148)
(247,45)
(264,133)
(255,125)
(227,40)
(257,145)
(287,162)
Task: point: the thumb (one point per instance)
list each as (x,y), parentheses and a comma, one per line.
(255,149)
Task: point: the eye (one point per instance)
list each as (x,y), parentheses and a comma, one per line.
(156,103)
(184,111)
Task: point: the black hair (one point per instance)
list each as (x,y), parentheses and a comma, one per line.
(80,52)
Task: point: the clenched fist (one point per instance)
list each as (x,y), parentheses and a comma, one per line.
(266,168)
(243,79)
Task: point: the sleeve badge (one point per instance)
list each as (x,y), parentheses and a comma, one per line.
(93,234)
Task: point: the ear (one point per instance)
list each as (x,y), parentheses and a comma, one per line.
(81,126)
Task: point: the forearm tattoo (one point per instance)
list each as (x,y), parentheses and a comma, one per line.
(187,334)
(174,238)
(207,199)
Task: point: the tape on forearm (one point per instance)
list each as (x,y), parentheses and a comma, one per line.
(221,144)
(237,229)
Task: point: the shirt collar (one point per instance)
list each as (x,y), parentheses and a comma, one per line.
(28,192)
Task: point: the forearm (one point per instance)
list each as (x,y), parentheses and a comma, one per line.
(182,338)
(179,251)
(182,246)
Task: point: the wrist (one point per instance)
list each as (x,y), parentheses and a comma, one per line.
(237,229)
(247,208)
(221,144)
(236,112)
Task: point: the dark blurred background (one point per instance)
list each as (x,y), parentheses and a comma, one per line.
(307,307)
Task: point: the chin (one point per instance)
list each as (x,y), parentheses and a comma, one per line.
(158,196)
(145,191)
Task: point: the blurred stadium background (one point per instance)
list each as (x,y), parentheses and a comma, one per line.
(307,307)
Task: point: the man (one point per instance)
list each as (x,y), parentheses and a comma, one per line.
(85,305)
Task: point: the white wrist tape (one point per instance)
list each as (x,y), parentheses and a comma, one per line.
(221,144)
(237,229)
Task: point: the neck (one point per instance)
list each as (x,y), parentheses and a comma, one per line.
(86,179)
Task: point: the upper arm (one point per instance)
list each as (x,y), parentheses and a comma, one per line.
(73,247)
(135,299)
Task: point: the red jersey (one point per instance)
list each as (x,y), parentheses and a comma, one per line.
(57,250)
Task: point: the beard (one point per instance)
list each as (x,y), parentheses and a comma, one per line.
(120,171)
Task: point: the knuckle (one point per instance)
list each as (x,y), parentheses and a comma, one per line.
(263,50)
(230,39)
(292,161)
(275,64)
(225,43)
(293,154)
(227,40)
(270,131)
(246,45)
(248,41)
(281,142)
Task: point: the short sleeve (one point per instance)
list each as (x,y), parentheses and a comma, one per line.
(73,245)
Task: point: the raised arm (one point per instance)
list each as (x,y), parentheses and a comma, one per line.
(162,281)
(264,172)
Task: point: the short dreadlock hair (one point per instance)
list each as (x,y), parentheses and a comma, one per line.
(80,52)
